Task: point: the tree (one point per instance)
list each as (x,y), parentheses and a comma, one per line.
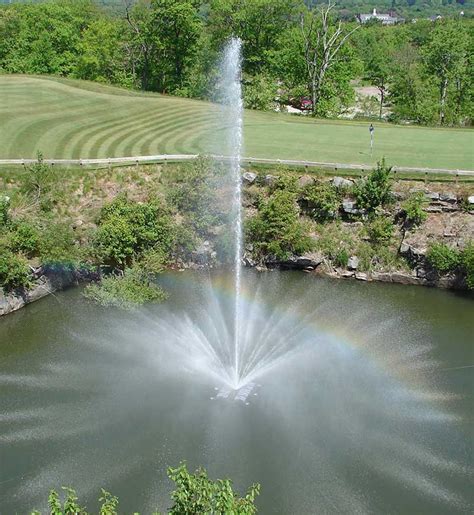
(412,93)
(103,56)
(164,35)
(378,57)
(257,23)
(446,59)
(45,37)
(323,41)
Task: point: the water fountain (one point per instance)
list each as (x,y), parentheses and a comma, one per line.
(362,389)
(230,94)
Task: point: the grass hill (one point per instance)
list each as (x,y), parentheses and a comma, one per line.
(76,119)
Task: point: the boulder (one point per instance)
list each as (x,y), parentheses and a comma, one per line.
(470,200)
(203,254)
(349,207)
(384,277)
(431,195)
(448,197)
(340,182)
(308,261)
(270,180)
(361,276)
(347,273)
(10,302)
(353,263)
(249,177)
(305,180)
(405,278)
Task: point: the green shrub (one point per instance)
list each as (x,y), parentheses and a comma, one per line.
(193,194)
(4,207)
(284,182)
(126,229)
(126,291)
(39,178)
(152,261)
(380,229)
(413,208)
(321,200)
(24,238)
(442,258)
(464,203)
(341,258)
(375,189)
(195,493)
(185,241)
(57,246)
(276,230)
(225,247)
(467,261)
(14,270)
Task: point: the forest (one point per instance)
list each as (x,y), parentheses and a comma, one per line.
(295,54)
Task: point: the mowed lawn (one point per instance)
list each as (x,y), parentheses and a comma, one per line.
(74,119)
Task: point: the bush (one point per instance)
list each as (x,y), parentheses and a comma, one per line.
(4,207)
(14,270)
(276,230)
(39,178)
(321,200)
(284,182)
(194,494)
(57,246)
(152,261)
(375,190)
(442,258)
(24,238)
(341,258)
(126,229)
(126,291)
(467,261)
(413,208)
(335,241)
(193,194)
(380,229)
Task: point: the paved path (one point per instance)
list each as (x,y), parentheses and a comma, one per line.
(169,158)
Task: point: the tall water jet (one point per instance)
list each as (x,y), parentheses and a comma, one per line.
(231,97)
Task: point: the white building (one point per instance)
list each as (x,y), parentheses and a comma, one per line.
(386,19)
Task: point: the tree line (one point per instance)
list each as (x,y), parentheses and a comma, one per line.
(291,51)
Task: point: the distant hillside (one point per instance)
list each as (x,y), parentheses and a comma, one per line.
(347,8)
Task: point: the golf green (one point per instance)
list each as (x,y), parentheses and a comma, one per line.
(75,119)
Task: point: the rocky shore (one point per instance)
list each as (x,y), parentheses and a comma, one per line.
(449,220)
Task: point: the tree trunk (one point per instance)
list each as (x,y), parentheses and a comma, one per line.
(444,91)
(382,98)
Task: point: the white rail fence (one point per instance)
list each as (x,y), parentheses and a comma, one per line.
(175,158)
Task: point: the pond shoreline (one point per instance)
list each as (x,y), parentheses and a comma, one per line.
(48,282)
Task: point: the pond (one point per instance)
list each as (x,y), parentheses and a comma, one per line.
(360,400)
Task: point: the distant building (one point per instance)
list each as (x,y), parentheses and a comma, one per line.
(386,19)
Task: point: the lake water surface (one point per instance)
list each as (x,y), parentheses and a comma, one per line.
(365,408)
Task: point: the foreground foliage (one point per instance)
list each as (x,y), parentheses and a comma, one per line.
(195,493)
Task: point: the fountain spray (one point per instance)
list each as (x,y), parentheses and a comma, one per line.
(231,92)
